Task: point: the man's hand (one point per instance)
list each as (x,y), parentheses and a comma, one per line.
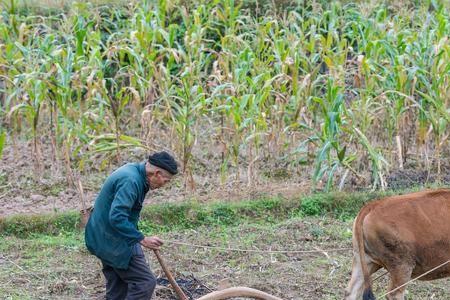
(153,242)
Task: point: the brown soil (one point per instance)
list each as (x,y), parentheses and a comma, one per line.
(22,191)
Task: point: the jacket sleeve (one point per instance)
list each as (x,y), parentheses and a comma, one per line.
(126,195)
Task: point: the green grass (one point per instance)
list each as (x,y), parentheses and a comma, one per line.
(52,266)
(29,265)
(40,266)
(22,225)
(191,215)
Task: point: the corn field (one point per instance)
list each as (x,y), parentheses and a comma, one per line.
(335,90)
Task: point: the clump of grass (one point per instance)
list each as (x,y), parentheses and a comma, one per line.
(192,214)
(344,205)
(52,224)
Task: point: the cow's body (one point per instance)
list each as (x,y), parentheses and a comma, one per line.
(407,235)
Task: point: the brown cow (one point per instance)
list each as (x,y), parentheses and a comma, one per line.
(407,235)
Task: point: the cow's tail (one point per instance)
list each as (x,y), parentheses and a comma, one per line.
(368,294)
(359,238)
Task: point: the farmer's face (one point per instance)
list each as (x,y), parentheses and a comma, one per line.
(158,179)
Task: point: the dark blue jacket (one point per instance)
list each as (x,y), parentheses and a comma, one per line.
(112,228)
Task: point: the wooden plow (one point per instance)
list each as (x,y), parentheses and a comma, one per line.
(228,293)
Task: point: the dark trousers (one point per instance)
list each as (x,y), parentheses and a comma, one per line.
(135,283)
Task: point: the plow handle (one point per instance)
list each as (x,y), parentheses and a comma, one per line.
(172,281)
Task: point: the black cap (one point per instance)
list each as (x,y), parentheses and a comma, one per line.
(164,161)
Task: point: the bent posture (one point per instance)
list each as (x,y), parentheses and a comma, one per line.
(112,233)
(407,235)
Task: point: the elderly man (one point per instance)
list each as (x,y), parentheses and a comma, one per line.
(112,233)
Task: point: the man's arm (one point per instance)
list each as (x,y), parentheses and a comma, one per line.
(126,195)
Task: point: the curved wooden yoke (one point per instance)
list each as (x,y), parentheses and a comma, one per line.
(239,291)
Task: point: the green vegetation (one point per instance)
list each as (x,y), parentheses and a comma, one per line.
(191,215)
(339,92)
(343,89)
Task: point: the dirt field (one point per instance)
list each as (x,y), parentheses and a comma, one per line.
(22,192)
(60,268)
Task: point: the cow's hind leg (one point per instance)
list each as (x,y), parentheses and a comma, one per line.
(399,276)
(355,287)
